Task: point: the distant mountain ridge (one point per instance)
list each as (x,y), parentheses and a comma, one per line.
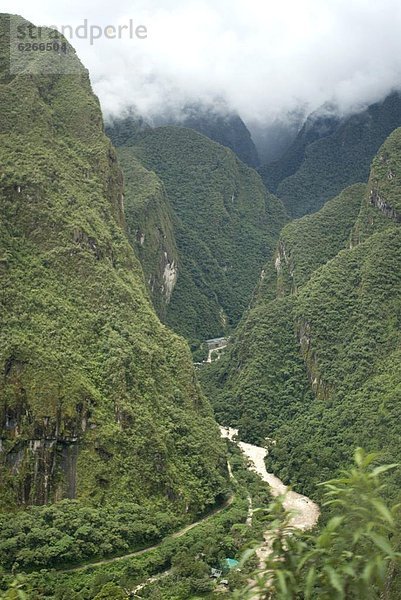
(228,129)
(215,122)
(330,153)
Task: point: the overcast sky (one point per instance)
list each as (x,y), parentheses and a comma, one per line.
(264,57)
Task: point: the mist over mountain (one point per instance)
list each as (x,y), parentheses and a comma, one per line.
(264,60)
(329,153)
(272,139)
(215,121)
(219,124)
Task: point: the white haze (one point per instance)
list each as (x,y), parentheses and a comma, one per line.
(265,59)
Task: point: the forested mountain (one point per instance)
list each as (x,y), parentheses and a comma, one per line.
(315,365)
(220,125)
(98,399)
(114,479)
(330,153)
(123,128)
(217,122)
(204,234)
(150,227)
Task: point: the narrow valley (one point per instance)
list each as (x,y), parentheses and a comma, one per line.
(200,302)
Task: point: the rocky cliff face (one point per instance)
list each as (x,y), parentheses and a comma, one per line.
(151,229)
(98,400)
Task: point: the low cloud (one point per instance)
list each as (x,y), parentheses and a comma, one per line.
(264,59)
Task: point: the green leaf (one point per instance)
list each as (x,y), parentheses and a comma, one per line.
(359,456)
(334,523)
(383,510)
(368,571)
(246,556)
(383,468)
(306,558)
(335,580)
(369,458)
(282,583)
(349,570)
(382,543)
(310,583)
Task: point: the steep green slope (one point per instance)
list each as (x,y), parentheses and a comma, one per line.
(310,242)
(225,227)
(318,125)
(221,126)
(216,122)
(150,228)
(316,364)
(329,154)
(98,400)
(348,319)
(261,382)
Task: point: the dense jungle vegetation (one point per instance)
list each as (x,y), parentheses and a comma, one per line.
(315,363)
(225,226)
(329,154)
(98,399)
(114,480)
